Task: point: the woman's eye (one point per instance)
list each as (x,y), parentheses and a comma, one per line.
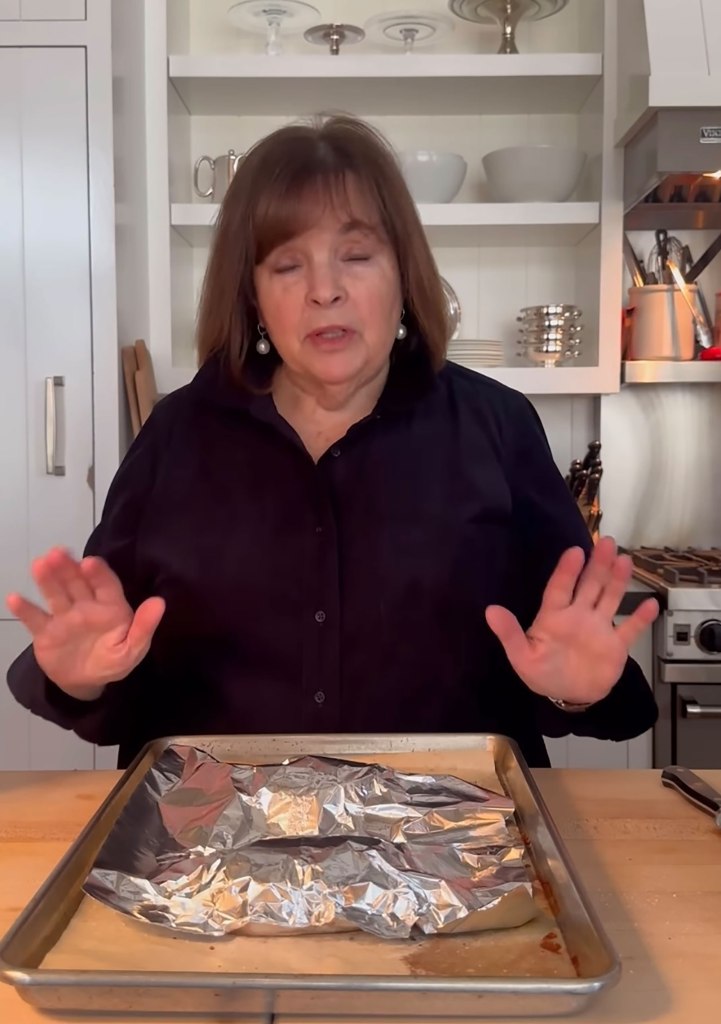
(286,268)
(357,258)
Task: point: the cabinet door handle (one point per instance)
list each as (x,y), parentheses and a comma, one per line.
(51,427)
(692,709)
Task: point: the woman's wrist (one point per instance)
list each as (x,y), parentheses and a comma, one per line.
(85,691)
(572,706)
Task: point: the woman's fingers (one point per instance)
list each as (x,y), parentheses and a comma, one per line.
(597,574)
(632,627)
(614,590)
(145,621)
(67,585)
(102,581)
(32,617)
(507,628)
(45,570)
(69,576)
(560,587)
(60,580)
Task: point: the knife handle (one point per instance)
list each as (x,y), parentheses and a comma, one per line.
(594,480)
(579,483)
(594,450)
(573,472)
(693,788)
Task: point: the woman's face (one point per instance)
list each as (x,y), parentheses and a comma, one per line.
(330,298)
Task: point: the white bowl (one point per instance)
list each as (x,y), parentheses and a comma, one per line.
(432,176)
(533,174)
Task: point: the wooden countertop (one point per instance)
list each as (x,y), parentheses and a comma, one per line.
(649,859)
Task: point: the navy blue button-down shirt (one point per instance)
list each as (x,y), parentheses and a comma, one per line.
(346,595)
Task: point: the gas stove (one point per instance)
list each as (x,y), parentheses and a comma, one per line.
(687,653)
(689,578)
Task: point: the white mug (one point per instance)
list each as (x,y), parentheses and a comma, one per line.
(222,169)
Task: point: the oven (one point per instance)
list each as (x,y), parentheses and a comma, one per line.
(688,731)
(687,653)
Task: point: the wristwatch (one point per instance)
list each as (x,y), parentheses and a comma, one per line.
(566,705)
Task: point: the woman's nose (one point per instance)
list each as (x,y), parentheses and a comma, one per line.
(324,286)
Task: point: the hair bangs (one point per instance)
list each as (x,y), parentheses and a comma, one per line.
(299,198)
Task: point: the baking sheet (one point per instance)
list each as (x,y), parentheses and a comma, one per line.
(553,964)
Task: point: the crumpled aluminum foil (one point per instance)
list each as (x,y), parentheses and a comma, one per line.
(207,847)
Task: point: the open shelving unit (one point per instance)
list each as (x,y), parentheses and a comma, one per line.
(652,371)
(209,89)
(428,85)
(449,224)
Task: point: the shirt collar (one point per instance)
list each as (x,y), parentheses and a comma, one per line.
(410,378)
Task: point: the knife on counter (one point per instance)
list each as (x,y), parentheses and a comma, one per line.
(694,789)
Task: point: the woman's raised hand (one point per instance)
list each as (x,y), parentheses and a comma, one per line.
(573,651)
(89,636)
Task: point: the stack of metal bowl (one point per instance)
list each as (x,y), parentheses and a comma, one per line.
(549,335)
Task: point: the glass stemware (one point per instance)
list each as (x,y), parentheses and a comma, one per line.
(410,28)
(272,16)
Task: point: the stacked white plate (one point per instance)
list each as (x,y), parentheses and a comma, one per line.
(476,353)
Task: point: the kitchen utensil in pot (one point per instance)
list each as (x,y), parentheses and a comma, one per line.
(666,247)
(702,328)
(688,784)
(685,268)
(638,275)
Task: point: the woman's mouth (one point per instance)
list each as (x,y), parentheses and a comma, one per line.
(332,335)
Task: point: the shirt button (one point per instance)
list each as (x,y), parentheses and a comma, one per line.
(320,616)
(319,529)
(335,451)
(319,697)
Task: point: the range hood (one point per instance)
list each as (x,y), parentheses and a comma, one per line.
(669,112)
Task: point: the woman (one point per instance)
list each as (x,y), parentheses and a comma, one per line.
(331,529)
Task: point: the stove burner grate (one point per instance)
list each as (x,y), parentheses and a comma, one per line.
(679,567)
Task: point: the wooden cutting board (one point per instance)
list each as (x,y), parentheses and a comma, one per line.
(130,368)
(145,381)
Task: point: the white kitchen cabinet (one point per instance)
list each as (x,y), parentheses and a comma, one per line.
(9,10)
(52,10)
(45,339)
(27,741)
(44,307)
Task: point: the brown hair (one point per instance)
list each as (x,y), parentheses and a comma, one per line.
(265,207)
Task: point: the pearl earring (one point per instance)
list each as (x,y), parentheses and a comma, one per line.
(402,329)
(262,345)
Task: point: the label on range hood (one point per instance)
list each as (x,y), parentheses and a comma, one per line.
(710,135)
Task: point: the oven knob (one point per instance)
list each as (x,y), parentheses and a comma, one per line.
(709,637)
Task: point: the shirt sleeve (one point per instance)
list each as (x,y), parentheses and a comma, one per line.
(547,521)
(114,539)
